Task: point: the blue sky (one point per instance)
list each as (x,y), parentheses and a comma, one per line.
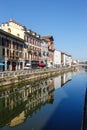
(65,20)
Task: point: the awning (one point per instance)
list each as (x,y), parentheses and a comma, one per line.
(1,64)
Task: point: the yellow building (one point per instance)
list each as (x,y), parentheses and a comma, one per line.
(32,49)
(13,28)
(11,51)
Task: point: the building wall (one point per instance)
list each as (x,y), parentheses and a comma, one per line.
(66,60)
(13,28)
(2,58)
(0,47)
(11,53)
(57,58)
(44,51)
(69,60)
(33,46)
(50,40)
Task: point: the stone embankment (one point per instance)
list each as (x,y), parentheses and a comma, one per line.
(30,76)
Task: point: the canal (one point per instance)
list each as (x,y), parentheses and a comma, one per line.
(56,103)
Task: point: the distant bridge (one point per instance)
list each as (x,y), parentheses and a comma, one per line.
(80,65)
(85,65)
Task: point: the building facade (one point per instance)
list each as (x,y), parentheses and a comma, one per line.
(51,49)
(66,60)
(44,51)
(33,46)
(14,28)
(11,52)
(57,58)
(19,46)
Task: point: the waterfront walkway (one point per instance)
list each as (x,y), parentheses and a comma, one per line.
(21,72)
(20,76)
(31,71)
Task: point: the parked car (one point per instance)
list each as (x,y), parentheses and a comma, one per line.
(28,66)
(49,65)
(37,64)
(41,64)
(34,64)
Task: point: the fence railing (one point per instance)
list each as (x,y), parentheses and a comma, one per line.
(32,71)
(24,72)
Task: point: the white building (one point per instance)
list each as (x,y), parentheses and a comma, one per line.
(44,51)
(69,60)
(66,77)
(57,58)
(66,60)
(57,82)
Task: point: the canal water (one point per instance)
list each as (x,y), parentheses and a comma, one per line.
(56,103)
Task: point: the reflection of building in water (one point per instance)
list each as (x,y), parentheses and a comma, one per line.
(17,120)
(51,84)
(62,79)
(42,95)
(51,97)
(65,78)
(11,105)
(86,69)
(57,82)
(16,104)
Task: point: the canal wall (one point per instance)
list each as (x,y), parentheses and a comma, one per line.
(31,77)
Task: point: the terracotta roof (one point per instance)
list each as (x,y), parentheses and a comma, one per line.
(48,37)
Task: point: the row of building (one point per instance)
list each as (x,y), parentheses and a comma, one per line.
(19,46)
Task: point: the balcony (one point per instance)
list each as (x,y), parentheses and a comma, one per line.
(14,57)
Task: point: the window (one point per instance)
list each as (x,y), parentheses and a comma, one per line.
(3,51)
(28,39)
(3,42)
(7,52)
(9,30)
(25,38)
(18,34)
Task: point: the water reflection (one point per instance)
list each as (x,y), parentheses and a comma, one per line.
(62,79)
(86,69)
(18,104)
